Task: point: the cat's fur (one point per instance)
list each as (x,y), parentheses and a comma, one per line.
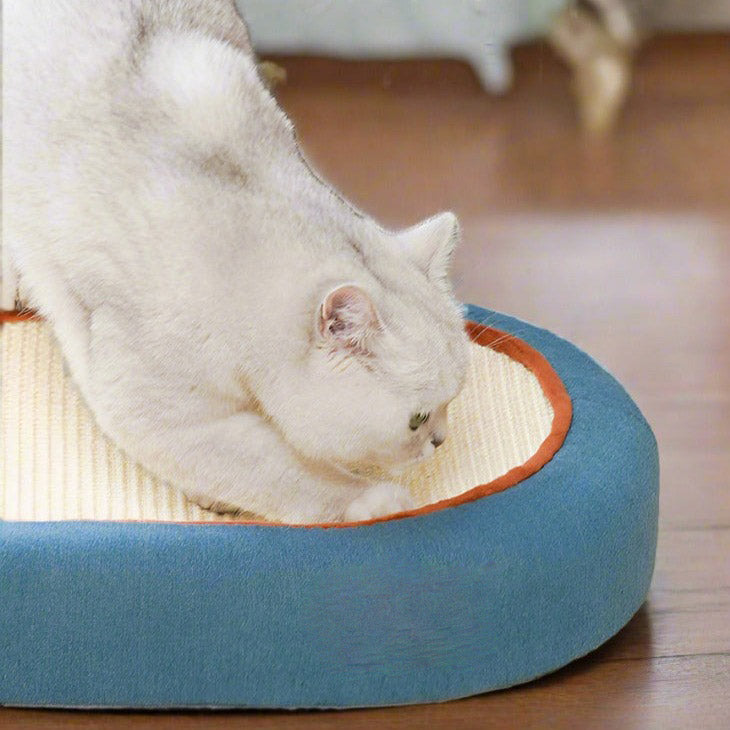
(232,322)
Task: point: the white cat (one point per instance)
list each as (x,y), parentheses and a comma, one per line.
(233,323)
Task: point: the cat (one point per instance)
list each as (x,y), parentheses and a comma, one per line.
(234,324)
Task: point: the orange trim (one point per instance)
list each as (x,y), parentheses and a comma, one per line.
(552,387)
(17,316)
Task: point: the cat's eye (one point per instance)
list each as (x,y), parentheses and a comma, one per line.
(417,419)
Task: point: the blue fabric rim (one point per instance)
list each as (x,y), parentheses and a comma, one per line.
(471,598)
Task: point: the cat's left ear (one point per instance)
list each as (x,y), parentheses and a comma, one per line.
(348,319)
(431,245)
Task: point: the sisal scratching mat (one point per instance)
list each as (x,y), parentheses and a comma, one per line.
(57,465)
(532,542)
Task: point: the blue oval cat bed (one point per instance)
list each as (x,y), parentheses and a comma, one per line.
(539,548)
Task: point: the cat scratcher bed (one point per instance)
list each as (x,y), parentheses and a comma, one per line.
(532,544)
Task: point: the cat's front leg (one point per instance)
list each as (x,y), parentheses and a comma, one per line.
(378,500)
(242,463)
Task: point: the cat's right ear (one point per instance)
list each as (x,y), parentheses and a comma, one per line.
(347,319)
(430,245)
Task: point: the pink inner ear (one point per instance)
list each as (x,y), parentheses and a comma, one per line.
(348,314)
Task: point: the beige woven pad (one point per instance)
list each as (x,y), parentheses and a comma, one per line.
(57,465)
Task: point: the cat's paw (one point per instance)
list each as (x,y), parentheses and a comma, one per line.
(383,498)
(213,505)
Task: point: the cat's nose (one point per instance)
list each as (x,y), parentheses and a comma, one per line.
(437,441)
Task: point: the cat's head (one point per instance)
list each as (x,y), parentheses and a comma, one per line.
(387,352)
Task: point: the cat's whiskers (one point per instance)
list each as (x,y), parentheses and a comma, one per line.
(500,340)
(482,327)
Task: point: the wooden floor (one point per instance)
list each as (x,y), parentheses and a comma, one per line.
(623,247)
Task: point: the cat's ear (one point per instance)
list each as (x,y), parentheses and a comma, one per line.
(347,318)
(431,245)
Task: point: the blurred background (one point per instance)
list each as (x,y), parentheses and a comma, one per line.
(586,148)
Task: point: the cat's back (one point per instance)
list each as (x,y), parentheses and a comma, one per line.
(75,128)
(65,60)
(55,52)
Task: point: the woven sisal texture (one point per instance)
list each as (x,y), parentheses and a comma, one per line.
(57,465)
